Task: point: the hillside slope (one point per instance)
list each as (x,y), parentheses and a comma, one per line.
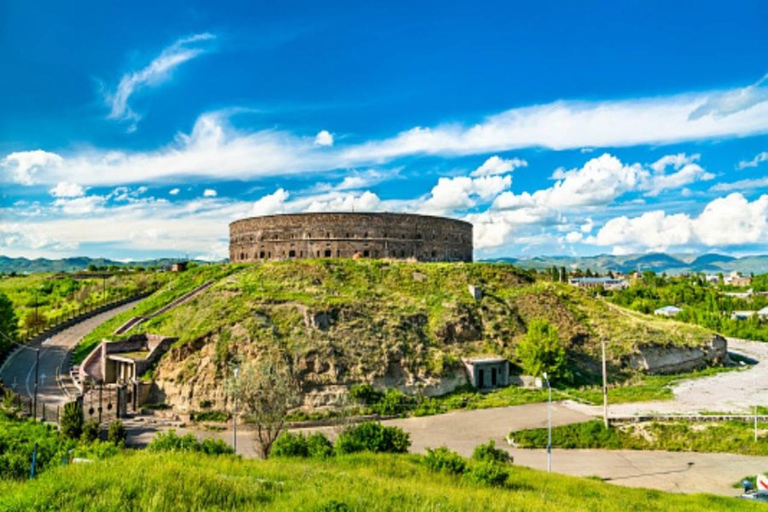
(394,324)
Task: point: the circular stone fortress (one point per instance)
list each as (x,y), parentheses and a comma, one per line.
(350,235)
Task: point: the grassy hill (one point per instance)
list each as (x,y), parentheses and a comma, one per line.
(177,481)
(391,323)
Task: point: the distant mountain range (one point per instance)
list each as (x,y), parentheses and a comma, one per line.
(27,266)
(658,262)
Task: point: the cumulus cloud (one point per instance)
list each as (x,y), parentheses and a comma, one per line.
(209,192)
(157,71)
(759,158)
(80,205)
(174,191)
(463,192)
(497,165)
(724,222)
(685,173)
(741,185)
(324,138)
(271,203)
(65,189)
(22,166)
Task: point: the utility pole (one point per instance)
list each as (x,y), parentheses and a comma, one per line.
(37,374)
(234,415)
(549,426)
(605,387)
(754,393)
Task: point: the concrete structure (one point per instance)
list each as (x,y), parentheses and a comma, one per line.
(606,283)
(736,279)
(124,361)
(350,235)
(487,372)
(668,311)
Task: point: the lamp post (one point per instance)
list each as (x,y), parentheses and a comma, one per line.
(37,374)
(549,426)
(754,392)
(234,415)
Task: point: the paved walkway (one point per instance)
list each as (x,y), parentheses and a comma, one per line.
(19,371)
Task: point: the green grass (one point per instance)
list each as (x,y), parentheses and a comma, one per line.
(365,482)
(677,436)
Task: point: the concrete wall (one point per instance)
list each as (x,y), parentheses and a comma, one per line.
(481,374)
(343,235)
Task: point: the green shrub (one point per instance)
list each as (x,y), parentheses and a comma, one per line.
(72,420)
(541,350)
(215,416)
(444,460)
(90,431)
(487,473)
(373,437)
(332,506)
(290,445)
(319,446)
(393,402)
(117,433)
(365,394)
(489,453)
(171,442)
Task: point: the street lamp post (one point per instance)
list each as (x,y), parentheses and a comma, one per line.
(549,426)
(234,415)
(754,393)
(37,374)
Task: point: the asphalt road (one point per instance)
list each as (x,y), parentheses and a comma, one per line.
(18,372)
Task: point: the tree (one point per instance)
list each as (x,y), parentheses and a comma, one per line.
(9,323)
(266,390)
(563,274)
(72,420)
(34,320)
(541,350)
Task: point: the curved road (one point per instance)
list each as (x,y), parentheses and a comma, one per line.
(18,372)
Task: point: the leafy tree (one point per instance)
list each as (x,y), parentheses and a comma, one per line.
(34,320)
(90,431)
(541,350)
(117,433)
(563,274)
(9,323)
(266,390)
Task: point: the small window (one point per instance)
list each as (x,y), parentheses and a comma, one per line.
(402,254)
(291,254)
(327,253)
(318,254)
(434,254)
(261,255)
(366,254)
(365,235)
(347,235)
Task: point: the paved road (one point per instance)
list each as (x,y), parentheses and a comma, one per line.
(19,371)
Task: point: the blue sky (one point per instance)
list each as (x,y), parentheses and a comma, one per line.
(142,130)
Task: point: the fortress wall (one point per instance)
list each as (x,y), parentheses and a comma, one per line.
(344,235)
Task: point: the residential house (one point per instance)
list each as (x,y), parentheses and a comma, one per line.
(668,311)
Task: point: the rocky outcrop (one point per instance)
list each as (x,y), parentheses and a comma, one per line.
(656,359)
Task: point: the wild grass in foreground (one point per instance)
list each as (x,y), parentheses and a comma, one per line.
(189,481)
(677,436)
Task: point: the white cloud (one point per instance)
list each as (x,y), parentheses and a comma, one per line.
(153,74)
(497,165)
(214,150)
(324,138)
(64,189)
(676,161)
(759,158)
(174,191)
(463,192)
(726,221)
(365,202)
(271,203)
(741,185)
(24,165)
(574,237)
(209,192)
(80,205)
(731,102)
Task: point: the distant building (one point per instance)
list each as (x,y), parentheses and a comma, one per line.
(736,279)
(742,315)
(606,283)
(668,311)
(179,266)
(763,313)
(740,295)
(712,278)
(487,372)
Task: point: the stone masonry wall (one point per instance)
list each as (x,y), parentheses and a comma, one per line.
(345,235)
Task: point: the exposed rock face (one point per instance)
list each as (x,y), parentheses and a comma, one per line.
(660,359)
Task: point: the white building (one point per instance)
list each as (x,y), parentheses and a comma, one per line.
(668,311)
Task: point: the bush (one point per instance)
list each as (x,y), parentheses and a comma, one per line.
(373,437)
(72,420)
(171,442)
(445,461)
(117,433)
(290,445)
(90,431)
(365,394)
(319,446)
(393,402)
(489,453)
(488,473)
